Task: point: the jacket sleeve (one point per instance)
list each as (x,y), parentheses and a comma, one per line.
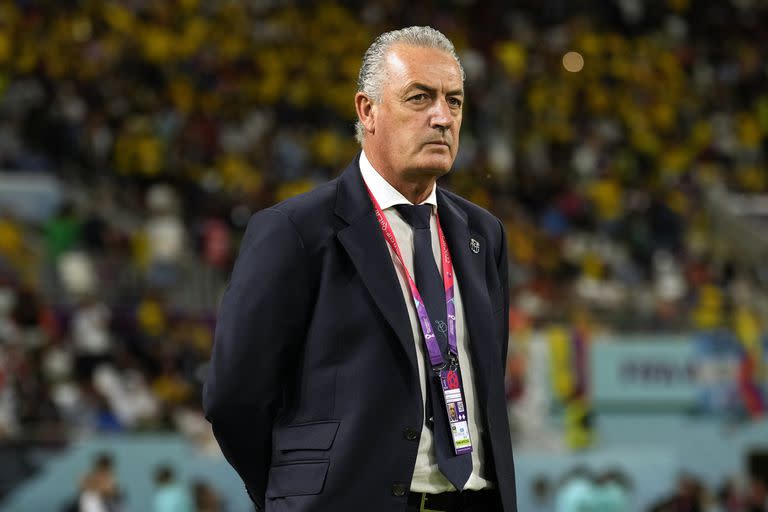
(259,332)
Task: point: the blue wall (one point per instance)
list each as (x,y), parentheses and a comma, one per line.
(650,449)
(135,459)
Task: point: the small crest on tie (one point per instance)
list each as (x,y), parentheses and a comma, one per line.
(441,326)
(474,245)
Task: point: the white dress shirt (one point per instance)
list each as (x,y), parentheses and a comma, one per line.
(426,475)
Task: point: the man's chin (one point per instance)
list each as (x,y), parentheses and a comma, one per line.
(435,166)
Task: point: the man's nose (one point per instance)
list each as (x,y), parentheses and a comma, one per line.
(442,117)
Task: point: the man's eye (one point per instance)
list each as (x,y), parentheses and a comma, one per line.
(418,98)
(454,102)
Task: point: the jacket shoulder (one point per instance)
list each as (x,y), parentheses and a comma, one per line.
(477,216)
(311,213)
(308,203)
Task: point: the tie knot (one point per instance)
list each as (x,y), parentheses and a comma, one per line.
(417,215)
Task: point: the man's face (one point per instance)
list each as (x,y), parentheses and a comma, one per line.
(417,119)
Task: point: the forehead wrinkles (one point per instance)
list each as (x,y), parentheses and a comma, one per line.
(429,66)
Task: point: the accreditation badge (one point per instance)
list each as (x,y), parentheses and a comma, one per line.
(455,408)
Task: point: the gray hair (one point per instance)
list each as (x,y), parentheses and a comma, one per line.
(371,76)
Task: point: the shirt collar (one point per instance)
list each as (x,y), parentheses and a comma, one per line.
(386,195)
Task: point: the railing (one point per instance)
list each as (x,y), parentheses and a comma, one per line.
(741,223)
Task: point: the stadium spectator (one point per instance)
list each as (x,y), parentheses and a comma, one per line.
(170,495)
(689,496)
(541,490)
(757,496)
(206,499)
(611,493)
(99,491)
(91,337)
(729,497)
(165,234)
(576,491)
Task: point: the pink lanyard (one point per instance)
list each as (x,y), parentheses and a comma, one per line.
(435,355)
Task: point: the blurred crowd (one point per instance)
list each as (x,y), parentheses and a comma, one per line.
(583,490)
(100,491)
(166,124)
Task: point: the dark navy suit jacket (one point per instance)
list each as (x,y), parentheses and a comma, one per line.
(313,388)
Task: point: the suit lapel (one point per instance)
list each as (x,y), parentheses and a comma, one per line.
(470,272)
(366,247)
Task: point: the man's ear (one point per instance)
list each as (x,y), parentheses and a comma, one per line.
(365,111)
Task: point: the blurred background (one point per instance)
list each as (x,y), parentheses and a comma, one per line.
(622,142)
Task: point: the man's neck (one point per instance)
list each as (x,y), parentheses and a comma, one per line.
(416,193)
(415,190)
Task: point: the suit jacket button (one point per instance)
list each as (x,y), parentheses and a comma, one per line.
(399,490)
(410,434)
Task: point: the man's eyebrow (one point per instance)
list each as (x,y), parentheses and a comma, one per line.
(431,90)
(420,86)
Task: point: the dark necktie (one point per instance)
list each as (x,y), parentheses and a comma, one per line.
(456,468)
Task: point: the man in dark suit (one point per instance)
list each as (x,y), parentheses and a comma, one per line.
(360,313)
